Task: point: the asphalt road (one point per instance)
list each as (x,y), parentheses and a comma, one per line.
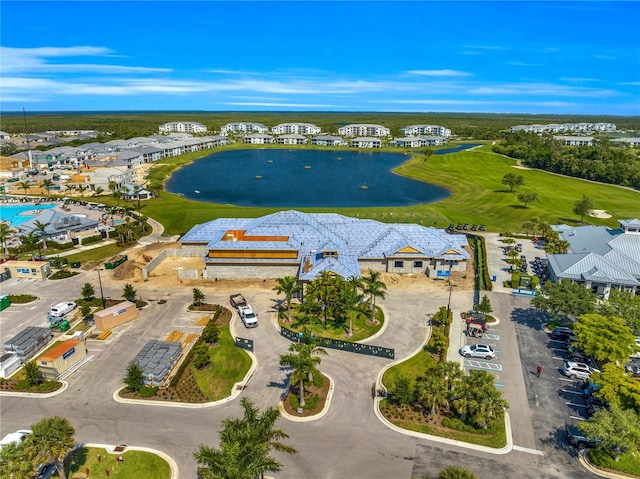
(349,441)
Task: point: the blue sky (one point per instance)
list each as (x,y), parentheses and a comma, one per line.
(502,57)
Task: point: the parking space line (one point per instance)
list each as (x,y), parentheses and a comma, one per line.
(557,357)
(499,385)
(565,379)
(529,450)
(577,418)
(493,337)
(471,363)
(557,349)
(575,405)
(571,392)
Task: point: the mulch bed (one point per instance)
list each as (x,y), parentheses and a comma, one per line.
(10,385)
(203,307)
(309,391)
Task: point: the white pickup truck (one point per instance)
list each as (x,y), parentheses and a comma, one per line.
(248,317)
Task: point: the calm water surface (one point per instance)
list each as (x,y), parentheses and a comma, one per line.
(301,178)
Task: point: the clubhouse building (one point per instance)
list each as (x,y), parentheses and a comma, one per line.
(599,258)
(291,243)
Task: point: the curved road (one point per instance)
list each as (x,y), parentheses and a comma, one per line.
(349,441)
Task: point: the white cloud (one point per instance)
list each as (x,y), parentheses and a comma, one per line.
(485,47)
(439,73)
(281,105)
(630,83)
(523,64)
(549,89)
(604,57)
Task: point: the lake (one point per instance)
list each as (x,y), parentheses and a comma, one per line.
(301,178)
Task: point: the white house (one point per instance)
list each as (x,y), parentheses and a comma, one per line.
(366,142)
(258,139)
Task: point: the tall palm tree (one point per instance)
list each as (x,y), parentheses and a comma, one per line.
(98,191)
(374,288)
(5,233)
(41,227)
(117,194)
(289,287)
(488,405)
(25,185)
(451,375)
(232,461)
(81,189)
(69,188)
(47,184)
(30,241)
(52,438)
(349,299)
(304,361)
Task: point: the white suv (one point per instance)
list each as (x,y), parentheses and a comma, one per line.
(578,370)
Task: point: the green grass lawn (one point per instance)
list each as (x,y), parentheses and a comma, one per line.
(628,463)
(474,177)
(413,367)
(229,365)
(362,328)
(136,464)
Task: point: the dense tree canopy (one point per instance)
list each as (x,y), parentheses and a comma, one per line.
(564,299)
(615,430)
(625,305)
(604,339)
(605,163)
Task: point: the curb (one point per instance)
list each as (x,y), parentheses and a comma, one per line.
(507,420)
(315,417)
(582,459)
(235,392)
(172,463)
(65,385)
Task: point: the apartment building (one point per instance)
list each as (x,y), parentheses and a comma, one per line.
(296,129)
(363,129)
(429,130)
(243,127)
(183,127)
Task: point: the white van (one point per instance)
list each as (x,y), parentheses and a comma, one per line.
(14,437)
(65,177)
(61,309)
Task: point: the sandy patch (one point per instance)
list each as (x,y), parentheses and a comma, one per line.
(521,167)
(600,214)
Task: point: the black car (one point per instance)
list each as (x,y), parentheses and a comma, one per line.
(578,439)
(562,333)
(633,367)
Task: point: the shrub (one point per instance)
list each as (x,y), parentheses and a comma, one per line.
(147,391)
(91,239)
(456,472)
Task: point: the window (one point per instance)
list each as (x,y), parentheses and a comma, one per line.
(417,264)
(398,264)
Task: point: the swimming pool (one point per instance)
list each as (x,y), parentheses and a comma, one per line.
(12,213)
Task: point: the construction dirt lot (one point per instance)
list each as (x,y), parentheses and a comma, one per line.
(165,275)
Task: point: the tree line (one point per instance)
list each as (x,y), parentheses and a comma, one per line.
(604,162)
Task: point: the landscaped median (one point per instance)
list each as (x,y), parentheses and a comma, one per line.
(209,373)
(428,397)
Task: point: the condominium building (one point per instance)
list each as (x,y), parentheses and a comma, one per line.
(431,130)
(364,130)
(293,139)
(258,139)
(557,128)
(575,140)
(243,127)
(420,141)
(183,127)
(366,142)
(296,128)
(327,140)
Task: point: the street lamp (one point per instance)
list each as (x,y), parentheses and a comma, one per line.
(104,306)
(450,289)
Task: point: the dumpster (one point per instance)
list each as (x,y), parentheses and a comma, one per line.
(5,302)
(116,261)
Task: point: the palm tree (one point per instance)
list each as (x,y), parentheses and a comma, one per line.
(245,444)
(25,185)
(52,438)
(431,392)
(47,184)
(374,288)
(117,194)
(5,233)
(289,287)
(41,227)
(489,404)
(451,375)
(30,241)
(81,189)
(16,461)
(98,191)
(304,361)
(69,188)
(349,299)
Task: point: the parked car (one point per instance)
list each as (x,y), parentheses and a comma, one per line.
(575,370)
(595,404)
(633,367)
(578,439)
(478,351)
(562,333)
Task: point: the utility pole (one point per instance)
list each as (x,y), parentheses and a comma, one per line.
(100,282)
